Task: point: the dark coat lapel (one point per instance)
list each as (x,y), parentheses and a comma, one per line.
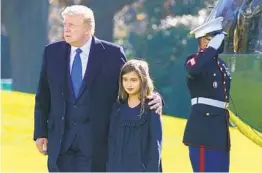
(65,65)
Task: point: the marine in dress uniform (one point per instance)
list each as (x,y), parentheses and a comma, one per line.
(208,79)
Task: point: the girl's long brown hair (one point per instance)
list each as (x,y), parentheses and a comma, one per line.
(140,67)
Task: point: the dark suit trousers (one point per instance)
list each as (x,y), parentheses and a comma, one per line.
(74,160)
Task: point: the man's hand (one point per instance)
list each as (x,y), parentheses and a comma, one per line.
(41,144)
(216,41)
(155,103)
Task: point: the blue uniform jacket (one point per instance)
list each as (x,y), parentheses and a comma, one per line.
(207,77)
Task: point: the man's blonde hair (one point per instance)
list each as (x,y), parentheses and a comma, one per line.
(82,10)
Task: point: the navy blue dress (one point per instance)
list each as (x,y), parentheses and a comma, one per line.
(135,142)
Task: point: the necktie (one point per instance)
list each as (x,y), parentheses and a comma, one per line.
(76,73)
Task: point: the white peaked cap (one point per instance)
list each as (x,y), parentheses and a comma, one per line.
(208,27)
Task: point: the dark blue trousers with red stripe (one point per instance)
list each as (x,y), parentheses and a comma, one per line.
(208,160)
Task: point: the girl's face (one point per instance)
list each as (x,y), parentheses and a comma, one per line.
(131,83)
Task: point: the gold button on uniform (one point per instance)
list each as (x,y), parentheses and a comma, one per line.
(207,114)
(214,74)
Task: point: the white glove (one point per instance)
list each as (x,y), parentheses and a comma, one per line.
(216,41)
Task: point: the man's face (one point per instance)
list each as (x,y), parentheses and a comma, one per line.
(203,42)
(76,31)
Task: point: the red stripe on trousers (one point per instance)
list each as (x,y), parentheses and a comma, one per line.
(202,159)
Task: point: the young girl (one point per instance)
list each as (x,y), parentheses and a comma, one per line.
(135,136)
